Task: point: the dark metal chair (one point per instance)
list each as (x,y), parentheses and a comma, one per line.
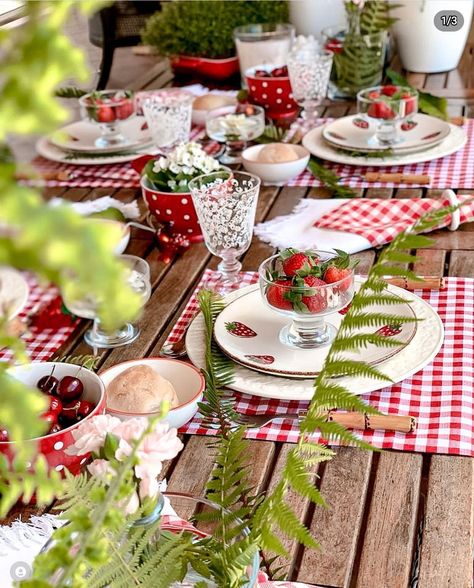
(118,25)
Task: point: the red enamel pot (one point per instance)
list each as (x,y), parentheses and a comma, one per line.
(214,69)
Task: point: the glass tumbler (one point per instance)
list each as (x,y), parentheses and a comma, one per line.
(168,115)
(225,203)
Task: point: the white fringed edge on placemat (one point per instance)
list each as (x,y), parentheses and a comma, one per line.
(20,534)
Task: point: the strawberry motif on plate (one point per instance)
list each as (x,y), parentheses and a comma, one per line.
(345,309)
(263,359)
(240,330)
(408,125)
(389,330)
(360,123)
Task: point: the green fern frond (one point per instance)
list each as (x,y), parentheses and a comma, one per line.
(359,342)
(379,319)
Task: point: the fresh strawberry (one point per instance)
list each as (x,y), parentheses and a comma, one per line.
(389,330)
(360,123)
(295,262)
(408,125)
(317,301)
(276,295)
(373,95)
(263,359)
(124,110)
(261,73)
(240,330)
(105,114)
(380,110)
(389,90)
(410,103)
(335,274)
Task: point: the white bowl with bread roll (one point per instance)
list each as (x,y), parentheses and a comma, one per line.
(203,104)
(137,388)
(275,163)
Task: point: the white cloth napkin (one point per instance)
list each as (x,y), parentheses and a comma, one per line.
(130,210)
(297,230)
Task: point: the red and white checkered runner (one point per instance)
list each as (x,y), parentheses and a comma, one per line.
(440,396)
(453,171)
(379,220)
(40,345)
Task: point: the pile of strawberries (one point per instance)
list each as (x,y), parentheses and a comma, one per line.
(385,102)
(297,285)
(103,108)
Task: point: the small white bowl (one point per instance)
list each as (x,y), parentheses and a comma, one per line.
(274,173)
(199,115)
(187,381)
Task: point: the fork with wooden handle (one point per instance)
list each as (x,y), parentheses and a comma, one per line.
(350,420)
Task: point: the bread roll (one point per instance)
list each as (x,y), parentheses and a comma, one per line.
(140,389)
(277,153)
(211,101)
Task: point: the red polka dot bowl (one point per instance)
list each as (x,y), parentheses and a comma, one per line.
(175,208)
(53,446)
(273,93)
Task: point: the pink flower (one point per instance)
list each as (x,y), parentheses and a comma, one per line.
(102,469)
(162,444)
(90,435)
(131,505)
(131,429)
(149,487)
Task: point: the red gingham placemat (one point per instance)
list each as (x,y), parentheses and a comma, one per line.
(40,345)
(453,171)
(379,220)
(440,396)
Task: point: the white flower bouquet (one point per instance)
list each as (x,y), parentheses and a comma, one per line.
(173,172)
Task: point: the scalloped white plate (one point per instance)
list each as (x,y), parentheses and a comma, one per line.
(416,355)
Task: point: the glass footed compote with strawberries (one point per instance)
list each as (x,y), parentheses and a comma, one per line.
(307,287)
(388,107)
(108,109)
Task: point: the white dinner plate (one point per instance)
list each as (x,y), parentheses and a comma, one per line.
(264,352)
(417,133)
(81,136)
(45,148)
(420,352)
(315,143)
(14,291)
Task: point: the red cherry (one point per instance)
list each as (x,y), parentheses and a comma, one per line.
(85,408)
(48,384)
(69,410)
(55,405)
(279,72)
(105,114)
(50,417)
(334,45)
(3,435)
(261,73)
(389,90)
(70,388)
(380,110)
(55,429)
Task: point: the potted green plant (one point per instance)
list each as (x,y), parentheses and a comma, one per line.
(198,34)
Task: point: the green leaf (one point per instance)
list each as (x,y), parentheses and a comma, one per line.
(329,179)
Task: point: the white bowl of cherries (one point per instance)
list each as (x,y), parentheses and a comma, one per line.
(75,393)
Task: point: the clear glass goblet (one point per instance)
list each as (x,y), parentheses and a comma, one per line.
(168,116)
(305,305)
(139,280)
(235,125)
(309,68)
(225,203)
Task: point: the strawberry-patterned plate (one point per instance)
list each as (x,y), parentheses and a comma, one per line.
(247,331)
(356,133)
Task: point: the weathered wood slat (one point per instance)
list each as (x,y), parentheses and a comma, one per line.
(344,486)
(390,532)
(446,550)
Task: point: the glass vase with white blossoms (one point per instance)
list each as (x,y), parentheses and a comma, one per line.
(173,172)
(109,440)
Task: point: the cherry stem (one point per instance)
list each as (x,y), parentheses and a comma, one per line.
(51,374)
(80,368)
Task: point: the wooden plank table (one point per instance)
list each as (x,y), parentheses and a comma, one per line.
(380,505)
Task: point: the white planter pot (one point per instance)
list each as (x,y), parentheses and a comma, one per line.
(310,17)
(421,46)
